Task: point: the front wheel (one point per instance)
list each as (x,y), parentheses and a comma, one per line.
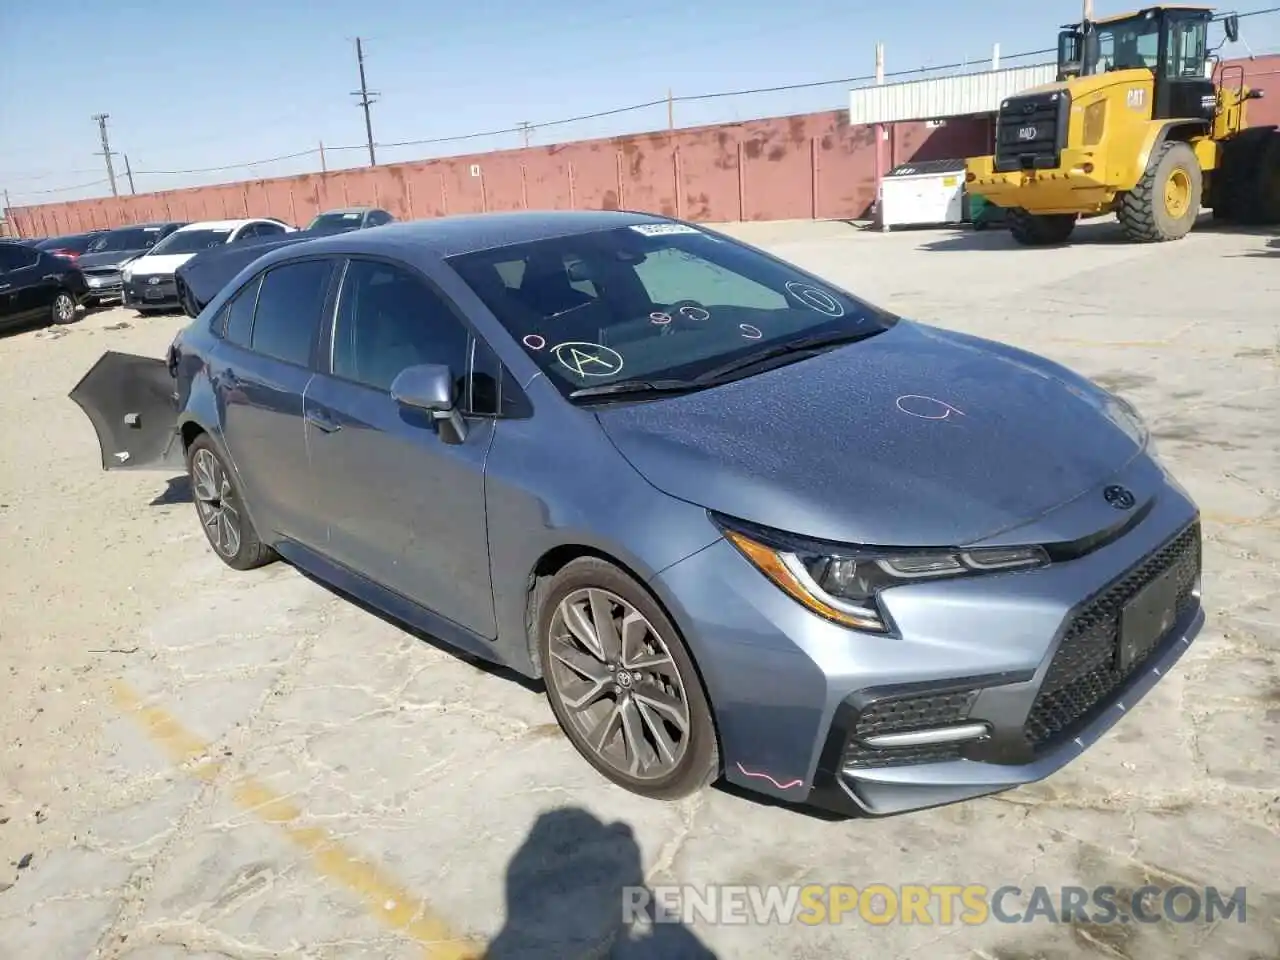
(1039,230)
(63,308)
(1166,202)
(622,683)
(220,508)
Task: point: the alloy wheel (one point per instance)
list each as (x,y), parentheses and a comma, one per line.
(64,308)
(618,683)
(214,503)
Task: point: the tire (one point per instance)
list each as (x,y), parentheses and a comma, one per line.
(1039,230)
(220,507)
(1257,186)
(614,699)
(63,309)
(1166,202)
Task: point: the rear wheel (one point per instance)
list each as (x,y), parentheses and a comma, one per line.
(63,308)
(1256,195)
(1166,202)
(622,683)
(1039,230)
(220,508)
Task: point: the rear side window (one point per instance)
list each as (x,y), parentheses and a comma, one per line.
(289,307)
(238,314)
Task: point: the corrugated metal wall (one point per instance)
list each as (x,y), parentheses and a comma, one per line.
(944,96)
(807,166)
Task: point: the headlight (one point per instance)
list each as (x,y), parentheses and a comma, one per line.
(1095,121)
(841,583)
(126,274)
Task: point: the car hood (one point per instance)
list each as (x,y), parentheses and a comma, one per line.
(109,258)
(164,263)
(914,437)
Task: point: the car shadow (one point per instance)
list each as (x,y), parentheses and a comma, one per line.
(493,669)
(177,490)
(998,238)
(576,887)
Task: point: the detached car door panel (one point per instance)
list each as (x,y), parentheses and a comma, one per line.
(132,404)
(404,506)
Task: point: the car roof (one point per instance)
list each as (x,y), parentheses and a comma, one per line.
(219,224)
(149,225)
(469,233)
(344,210)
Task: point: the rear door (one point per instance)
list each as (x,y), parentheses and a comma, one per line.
(22,288)
(261,371)
(405,508)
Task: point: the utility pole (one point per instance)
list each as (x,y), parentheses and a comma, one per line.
(525,129)
(366,99)
(671,110)
(323,168)
(128,172)
(106,150)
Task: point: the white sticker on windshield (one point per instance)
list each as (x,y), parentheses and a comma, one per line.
(663,229)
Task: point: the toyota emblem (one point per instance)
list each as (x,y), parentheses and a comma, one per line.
(1119,497)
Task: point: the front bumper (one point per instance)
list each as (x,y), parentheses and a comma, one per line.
(1076,186)
(104,286)
(1027,654)
(141,292)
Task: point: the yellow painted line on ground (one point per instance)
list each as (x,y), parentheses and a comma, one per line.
(384,899)
(1167,341)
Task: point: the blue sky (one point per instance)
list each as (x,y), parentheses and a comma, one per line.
(195,85)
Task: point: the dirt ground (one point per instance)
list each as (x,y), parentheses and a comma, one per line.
(199,763)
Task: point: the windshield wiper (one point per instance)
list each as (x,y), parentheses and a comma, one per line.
(623,387)
(799,348)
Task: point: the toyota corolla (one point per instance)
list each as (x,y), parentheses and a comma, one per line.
(742,523)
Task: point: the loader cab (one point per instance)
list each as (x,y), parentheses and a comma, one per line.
(1170,42)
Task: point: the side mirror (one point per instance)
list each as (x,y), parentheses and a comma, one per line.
(428,388)
(1232,25)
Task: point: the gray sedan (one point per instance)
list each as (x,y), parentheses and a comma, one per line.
(744,524)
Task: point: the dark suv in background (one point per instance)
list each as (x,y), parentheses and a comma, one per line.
(111,251)
(35,285)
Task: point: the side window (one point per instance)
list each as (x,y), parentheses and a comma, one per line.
(493,389)
(670,275)
(289,307)
(15,256)
(247,232)
(269,229)
(387,320)
(238,314)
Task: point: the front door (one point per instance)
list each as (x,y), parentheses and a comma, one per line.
(261,372)
(405,507)
(22,287)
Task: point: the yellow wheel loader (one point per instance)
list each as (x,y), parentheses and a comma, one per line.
(1144,122)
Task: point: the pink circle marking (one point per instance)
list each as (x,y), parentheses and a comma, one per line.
(531,337)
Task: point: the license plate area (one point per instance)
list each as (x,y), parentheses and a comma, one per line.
(153,293)
(1146,618)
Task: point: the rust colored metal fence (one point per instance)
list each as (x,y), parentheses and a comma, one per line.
(806,166)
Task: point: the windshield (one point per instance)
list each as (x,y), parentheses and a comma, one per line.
(337,221)
(1128,44)
(653,301)
(192,241)
(134,238)
(76,243)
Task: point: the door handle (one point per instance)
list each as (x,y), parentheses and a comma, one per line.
(323,422)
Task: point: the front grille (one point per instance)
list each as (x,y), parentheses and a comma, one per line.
(1031,131)
(1083,673)
(904,714)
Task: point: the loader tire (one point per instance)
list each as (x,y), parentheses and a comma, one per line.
(1039,230)
(1257,197)
(1166,202)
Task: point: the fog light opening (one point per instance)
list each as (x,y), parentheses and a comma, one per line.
(958,733)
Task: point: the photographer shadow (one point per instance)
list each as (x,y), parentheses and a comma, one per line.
(567,890)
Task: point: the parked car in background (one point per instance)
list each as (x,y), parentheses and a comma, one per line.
(147,283)
(31,241)
(37,285)
(107,256)
(741,522)
(349,218)
(71,246)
